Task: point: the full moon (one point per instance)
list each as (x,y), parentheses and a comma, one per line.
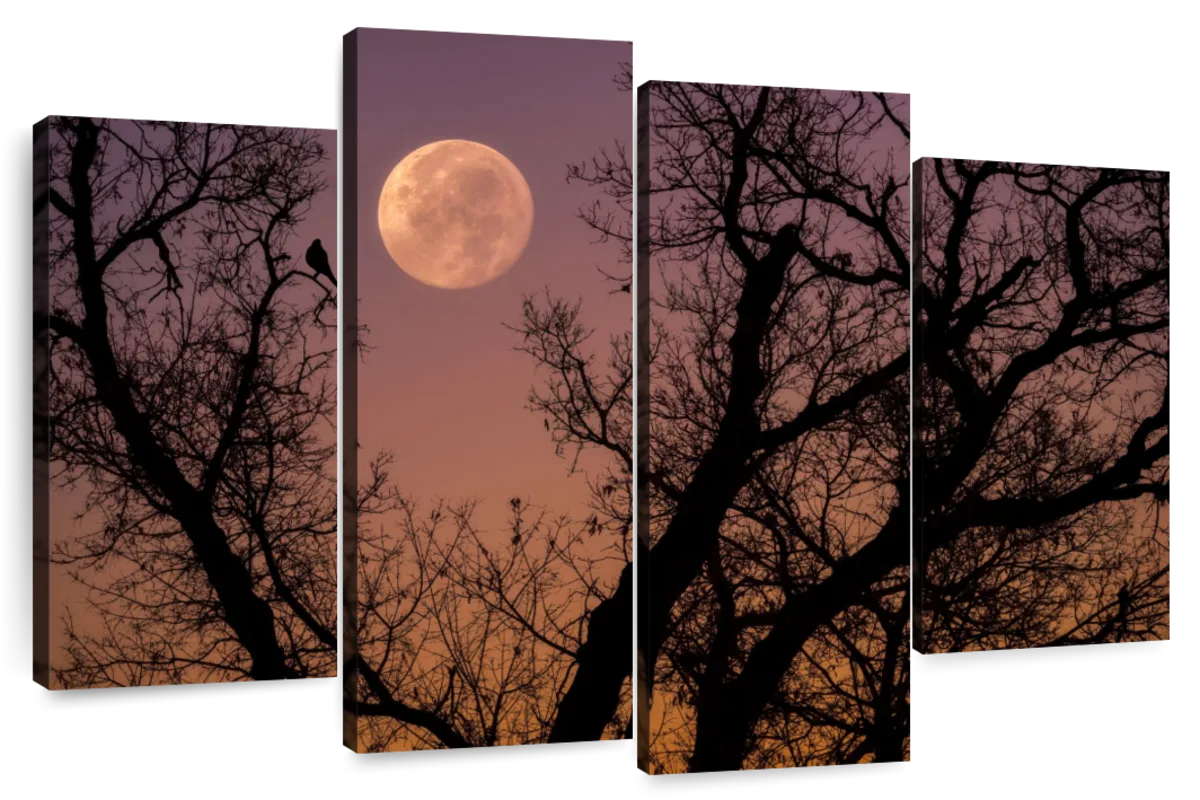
(455,214)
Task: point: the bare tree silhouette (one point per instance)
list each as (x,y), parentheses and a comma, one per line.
(463,645)
(1041,504)
(192,401)
(773,614)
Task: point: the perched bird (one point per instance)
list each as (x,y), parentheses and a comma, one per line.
(318,259)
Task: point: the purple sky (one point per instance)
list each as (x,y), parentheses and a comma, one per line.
(443,388)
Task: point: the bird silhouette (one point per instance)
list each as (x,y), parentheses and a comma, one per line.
(318,259)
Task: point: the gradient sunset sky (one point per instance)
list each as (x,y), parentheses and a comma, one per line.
(443,388)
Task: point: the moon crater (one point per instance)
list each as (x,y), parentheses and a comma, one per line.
(455,214)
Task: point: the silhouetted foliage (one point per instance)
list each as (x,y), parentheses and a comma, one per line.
(465,645)
(192,400)
(775,622)
(1041,506)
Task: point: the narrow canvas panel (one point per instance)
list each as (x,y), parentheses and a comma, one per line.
(773,606)
(488,404)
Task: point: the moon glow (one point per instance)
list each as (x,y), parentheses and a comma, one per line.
(455,214)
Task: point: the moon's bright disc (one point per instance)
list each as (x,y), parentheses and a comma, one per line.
(455,214)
